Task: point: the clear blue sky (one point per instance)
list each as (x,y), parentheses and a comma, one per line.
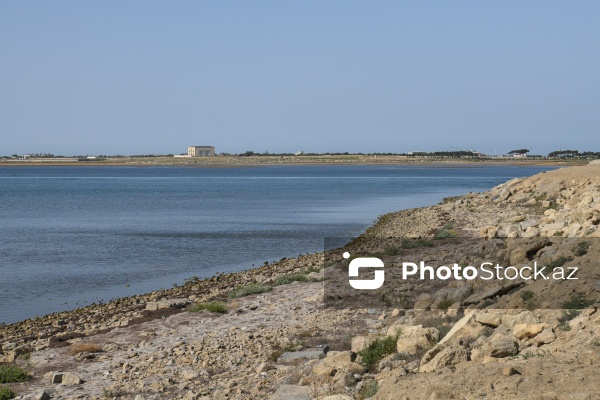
(135,77)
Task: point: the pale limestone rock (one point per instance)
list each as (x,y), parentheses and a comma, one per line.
(521,331)
(450,355)
(488,319)
(545,337)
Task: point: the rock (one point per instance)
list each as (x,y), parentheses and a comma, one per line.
(71,379)
(450,355)
(461,293)
(359,343)
(263,367)
(488,319)
(531,232)
(501,346)
(510,371)
(478,297)
(413,338)
(512,229)
(338,397)
(530,223)
(291,392)
(171,303)
(335,362)
(9,346)
(526,317)
(463,323)
(521,331)
(423,301)
(43,395)
(57,377)
(298,355)
(190,375)
(545,337)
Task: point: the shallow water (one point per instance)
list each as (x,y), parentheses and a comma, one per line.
(70,236)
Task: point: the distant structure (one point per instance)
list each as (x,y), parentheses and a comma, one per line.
(201,151)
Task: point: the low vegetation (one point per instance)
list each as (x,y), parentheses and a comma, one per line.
(416,243)
(377,349)
(391,251)
(558,262)
(212,306)
(10,373)
(247,290)
(369,389)
(447,231)
(287,279)
(527,295)
(581,249)
(6,393)
(444,304)
(571,307)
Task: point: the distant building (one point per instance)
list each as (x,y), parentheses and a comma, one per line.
(201,151)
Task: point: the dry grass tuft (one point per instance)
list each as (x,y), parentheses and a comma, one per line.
(85,348)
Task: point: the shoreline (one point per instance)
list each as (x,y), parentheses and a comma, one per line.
(237,162)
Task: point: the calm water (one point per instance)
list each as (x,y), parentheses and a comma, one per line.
(70,236)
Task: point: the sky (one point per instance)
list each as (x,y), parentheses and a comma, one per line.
(153,77)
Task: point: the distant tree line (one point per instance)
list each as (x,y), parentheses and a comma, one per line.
(573,154)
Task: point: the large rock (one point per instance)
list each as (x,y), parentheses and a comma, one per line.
(488,319)
(464,327)
(414,338)
(450,355)
(299,355)
(291,392)
(335,362)
(545,337)
(501,346)
(71,379)
(521,331)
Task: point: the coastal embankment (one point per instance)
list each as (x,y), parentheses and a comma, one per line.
(278,332)
(237,161)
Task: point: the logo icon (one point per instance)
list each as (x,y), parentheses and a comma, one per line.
(365,262)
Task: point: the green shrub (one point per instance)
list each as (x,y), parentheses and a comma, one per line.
(10,373)
(581,249)
(311,269)
(213,306)
(287,279)
(416,243)
(6,393)
(444,304)
(377,349)
(526,295)
(253,288)
(446,232)
(558,262)
(577,301)
(391,251)
(369,389)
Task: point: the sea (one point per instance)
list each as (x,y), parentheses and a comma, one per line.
(75,235)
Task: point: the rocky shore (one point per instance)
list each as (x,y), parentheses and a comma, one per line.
(266,333)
